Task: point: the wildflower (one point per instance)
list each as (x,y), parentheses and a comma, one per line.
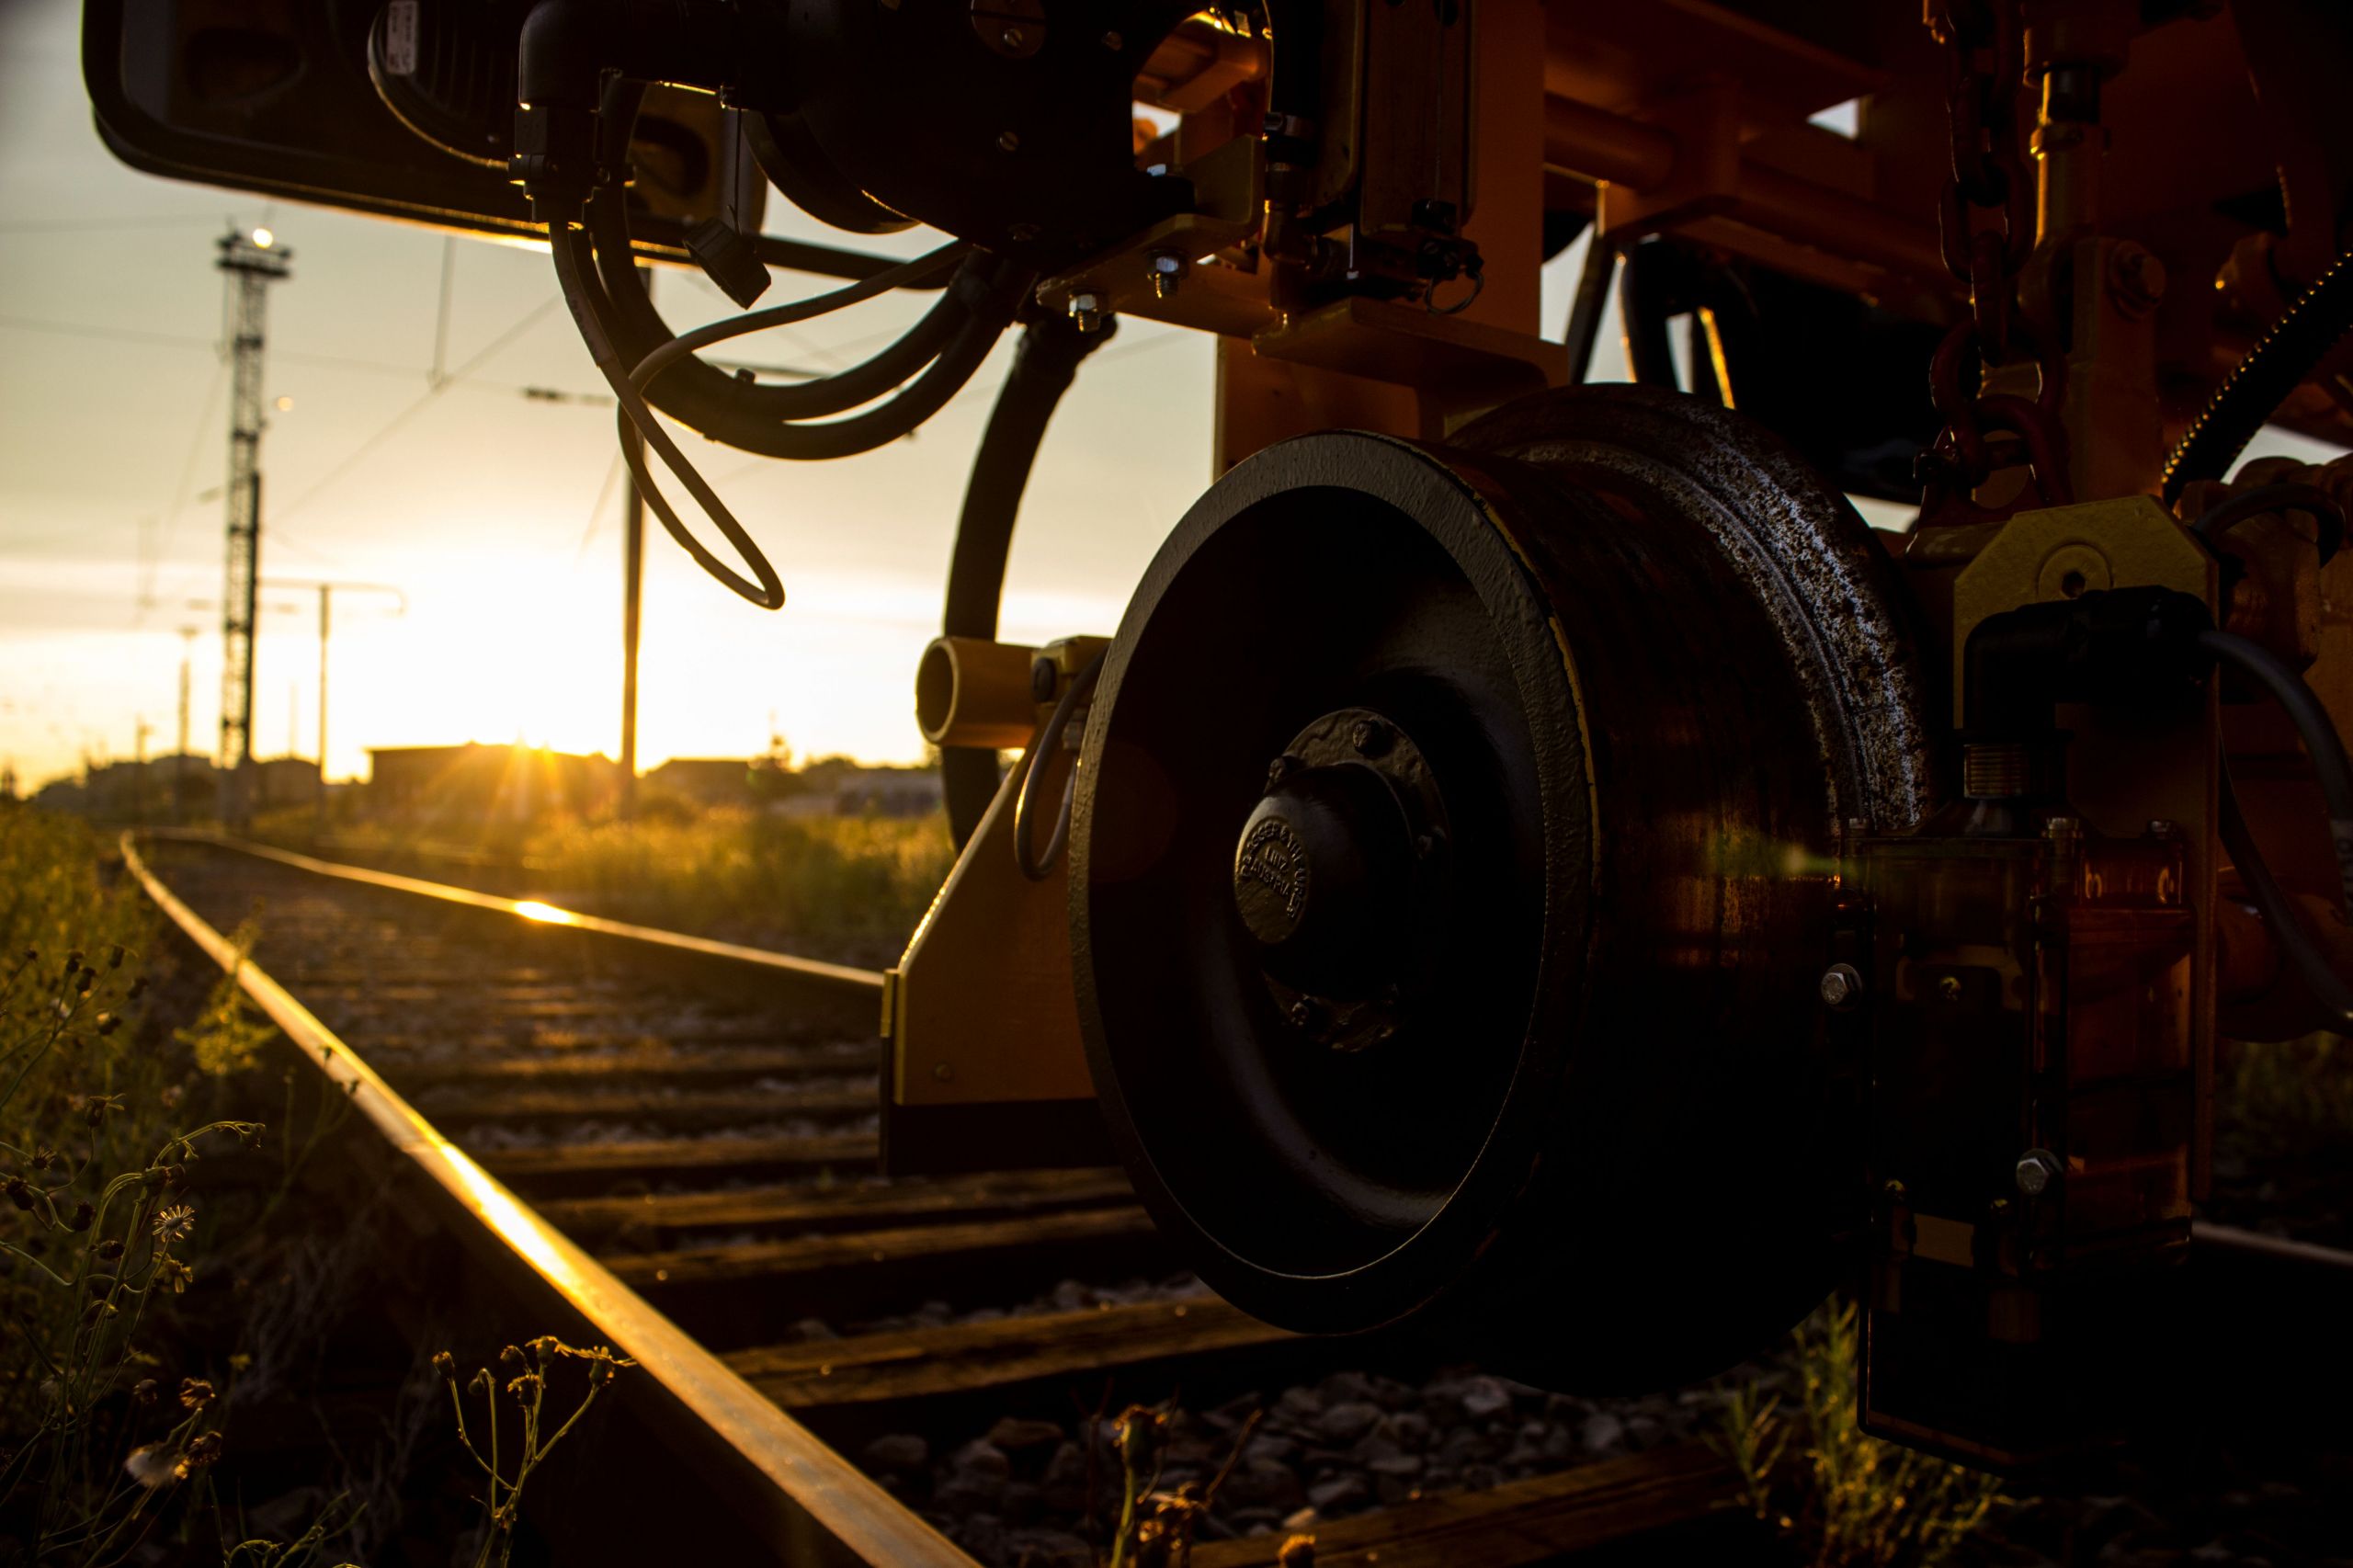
(174,1223)
(175,1273)
(43,1156)
(114,955)
(98,1311)
(203,1450)
(19,1194)
(447,1364)
(110,1249)
(86,981)
(512,1358)
(600,1371)
(195,1393)
(144,1391)
(108,1023)
(73,960)
(95,1108)
(527,1388)
(153,1466)
(82,1216)
(138,988)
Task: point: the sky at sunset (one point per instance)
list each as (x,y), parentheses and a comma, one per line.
(498,515)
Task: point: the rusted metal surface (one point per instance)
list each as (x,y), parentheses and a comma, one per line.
(807,1501)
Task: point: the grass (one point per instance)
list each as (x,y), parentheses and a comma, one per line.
(849,888)
(1844,1498)
(835,881)
(166,1262)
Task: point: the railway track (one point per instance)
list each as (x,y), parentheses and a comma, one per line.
(669,1143)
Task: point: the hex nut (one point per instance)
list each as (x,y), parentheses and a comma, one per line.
(1842,987)
(2038,1169)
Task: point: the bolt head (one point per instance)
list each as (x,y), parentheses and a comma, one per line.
(1370,737)
(1948,989)
(2037,1170)
(1114,42)
(1302,1015)
(1008,140)
(1280,769)
(1842,986)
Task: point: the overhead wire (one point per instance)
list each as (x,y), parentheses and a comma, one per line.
(392,426)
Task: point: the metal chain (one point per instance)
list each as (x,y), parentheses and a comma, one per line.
(1986,226)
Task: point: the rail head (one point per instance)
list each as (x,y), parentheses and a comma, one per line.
(821,1499)
(843,980)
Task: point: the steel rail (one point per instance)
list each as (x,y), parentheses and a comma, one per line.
(789,1487)
(840,981)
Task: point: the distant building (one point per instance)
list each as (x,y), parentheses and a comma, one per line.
(833,786)
(134,792)
(285,781)
(707,780)
(487,783)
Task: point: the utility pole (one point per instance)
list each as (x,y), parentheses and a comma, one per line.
(327,594)
(179,759)
(253,263)
(632,600)
(139,777)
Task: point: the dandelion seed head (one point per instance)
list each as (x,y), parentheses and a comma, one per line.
(153,1466)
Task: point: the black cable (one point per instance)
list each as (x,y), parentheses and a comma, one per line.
(573,268)
(1592,299)
(2220,518)
(2313,724)
(2280,915)
(1044,364)
(2274,367)
(1036,866)
(738,411)
(651,367)
(1648,287)
(701,394)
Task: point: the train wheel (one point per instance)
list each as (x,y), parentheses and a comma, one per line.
(1453,865)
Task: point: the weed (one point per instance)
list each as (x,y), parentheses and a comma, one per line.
(1848,1499)
(528,1387)
(1156,1528)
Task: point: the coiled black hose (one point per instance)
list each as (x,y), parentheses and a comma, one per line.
(2275,367)
(1048,357)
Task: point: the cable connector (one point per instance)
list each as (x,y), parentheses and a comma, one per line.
(556,160)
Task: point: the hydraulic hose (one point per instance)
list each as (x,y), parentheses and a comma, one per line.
(2282,918)
(1044,364)
(697,389)
(575,269)
(2304,710)
(2254,391)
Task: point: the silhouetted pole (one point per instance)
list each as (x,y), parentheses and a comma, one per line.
(180,760)
(253,263)
(633,601)
(326,592)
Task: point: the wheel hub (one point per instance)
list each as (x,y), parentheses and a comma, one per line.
(1488,1002)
